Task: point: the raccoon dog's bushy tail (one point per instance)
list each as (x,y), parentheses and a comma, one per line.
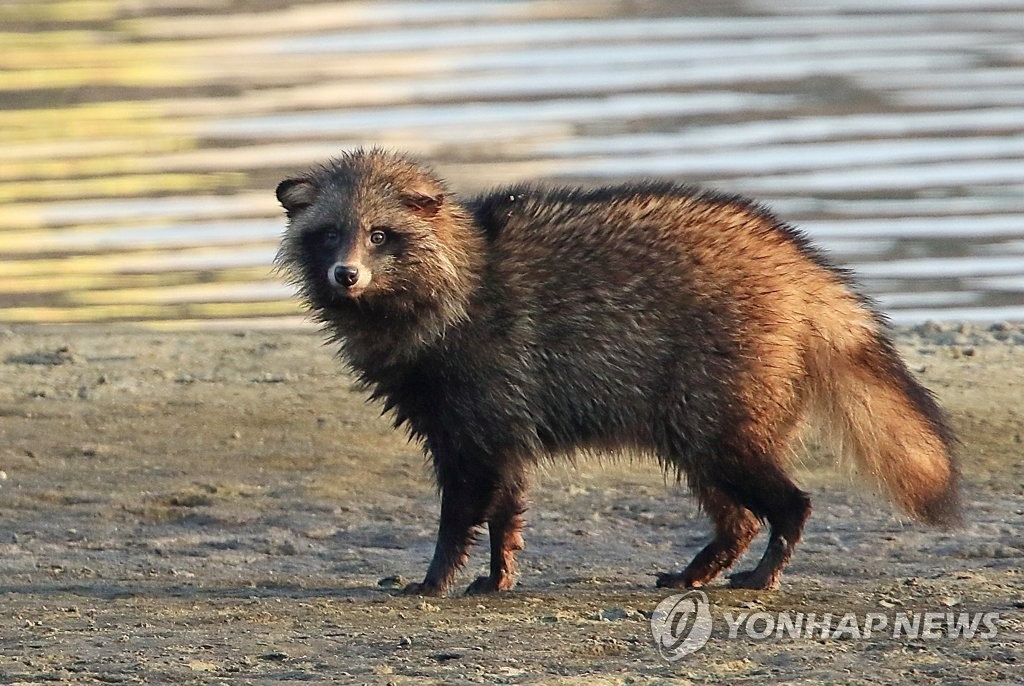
(891,428)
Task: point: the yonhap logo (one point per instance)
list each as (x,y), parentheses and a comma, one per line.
(681,624)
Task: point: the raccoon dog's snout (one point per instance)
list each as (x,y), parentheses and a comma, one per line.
(344,275)
(348,278)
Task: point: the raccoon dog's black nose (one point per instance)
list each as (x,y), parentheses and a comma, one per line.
(346,275)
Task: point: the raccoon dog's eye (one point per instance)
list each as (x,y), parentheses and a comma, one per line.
(378,237)
(331,238)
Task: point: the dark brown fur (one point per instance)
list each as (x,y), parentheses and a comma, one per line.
(531,322)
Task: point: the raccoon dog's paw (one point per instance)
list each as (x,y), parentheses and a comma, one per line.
(483,585)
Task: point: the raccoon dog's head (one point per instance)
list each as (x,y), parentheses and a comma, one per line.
(369,232)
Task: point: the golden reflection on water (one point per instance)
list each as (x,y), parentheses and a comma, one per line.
(86,128)
(131,128)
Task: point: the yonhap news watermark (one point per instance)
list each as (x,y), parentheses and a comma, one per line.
(682,624)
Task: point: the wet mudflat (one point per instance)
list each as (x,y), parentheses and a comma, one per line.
(226,508)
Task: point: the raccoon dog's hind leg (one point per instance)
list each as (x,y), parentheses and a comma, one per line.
(735,527)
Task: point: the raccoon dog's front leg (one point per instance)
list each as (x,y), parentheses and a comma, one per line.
(504,524)
(461,511)
(466,495)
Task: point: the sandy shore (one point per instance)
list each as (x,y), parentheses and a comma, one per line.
(218,507)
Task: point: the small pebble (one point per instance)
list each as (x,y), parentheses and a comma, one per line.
(394,581)
(274,656)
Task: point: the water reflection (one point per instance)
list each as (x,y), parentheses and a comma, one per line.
(142,144)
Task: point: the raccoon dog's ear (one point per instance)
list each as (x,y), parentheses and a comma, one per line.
(421,204)
(296,195)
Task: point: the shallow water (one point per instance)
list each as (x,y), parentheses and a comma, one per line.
(142,144)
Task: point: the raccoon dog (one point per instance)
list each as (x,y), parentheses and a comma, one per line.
(648,317)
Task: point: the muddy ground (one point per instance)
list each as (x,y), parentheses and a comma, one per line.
(222,508)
